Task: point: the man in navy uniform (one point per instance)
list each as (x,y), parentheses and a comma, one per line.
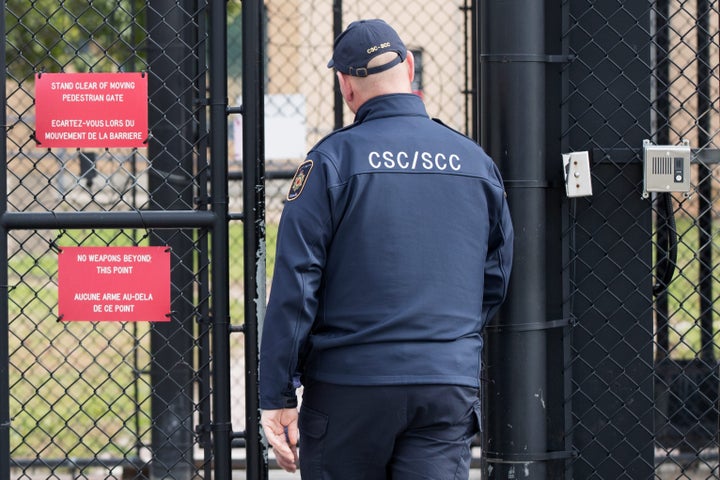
(394,249)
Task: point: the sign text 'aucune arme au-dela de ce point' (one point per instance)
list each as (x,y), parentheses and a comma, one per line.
(114,284)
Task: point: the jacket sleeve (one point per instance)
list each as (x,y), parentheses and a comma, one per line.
(303,238)
(499,261)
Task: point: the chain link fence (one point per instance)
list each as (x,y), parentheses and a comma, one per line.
(299,99)
(133,400)
(643,282)
(107,399)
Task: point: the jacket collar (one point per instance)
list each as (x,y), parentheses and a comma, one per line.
(390,105)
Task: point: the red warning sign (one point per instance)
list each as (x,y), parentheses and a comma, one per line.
(125,284)
(102,110)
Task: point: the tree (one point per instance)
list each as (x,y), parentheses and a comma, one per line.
(81,35)
(73,35)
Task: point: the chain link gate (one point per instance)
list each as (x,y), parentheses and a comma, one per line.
(603,361)
(642,272)
(301,105)
(151,400)
(118,399)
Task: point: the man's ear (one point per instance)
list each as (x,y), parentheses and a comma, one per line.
(345,87)
(410,60)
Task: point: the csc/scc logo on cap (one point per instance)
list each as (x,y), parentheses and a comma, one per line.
(375,48)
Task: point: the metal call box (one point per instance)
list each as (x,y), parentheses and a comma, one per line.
(666,168)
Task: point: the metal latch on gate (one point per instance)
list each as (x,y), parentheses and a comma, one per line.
(576,166)
(666,168)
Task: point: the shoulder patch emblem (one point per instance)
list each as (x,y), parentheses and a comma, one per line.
(299,180)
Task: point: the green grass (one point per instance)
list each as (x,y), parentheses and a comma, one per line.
(75,390)
(684,305)
(74,387)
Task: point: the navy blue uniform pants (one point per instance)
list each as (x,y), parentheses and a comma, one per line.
(399,432)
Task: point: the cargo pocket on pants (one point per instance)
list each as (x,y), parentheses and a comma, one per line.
(313,426)
(477,410)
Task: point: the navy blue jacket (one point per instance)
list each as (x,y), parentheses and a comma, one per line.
(394,249)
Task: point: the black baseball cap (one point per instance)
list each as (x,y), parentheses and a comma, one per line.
(362,41)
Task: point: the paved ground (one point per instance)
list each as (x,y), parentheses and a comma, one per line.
(701,472)
(277,474)
(667,471)
(282,475)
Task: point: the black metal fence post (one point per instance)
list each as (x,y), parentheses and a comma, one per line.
(662,137)
(4,322)
(705,194)
(338,98)
(705,218)
(253,82)
(512,55)
(221,401)
(170,88)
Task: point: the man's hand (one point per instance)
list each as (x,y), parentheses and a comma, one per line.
(281,431)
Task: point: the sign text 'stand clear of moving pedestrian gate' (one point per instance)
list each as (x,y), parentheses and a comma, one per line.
(91,110)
